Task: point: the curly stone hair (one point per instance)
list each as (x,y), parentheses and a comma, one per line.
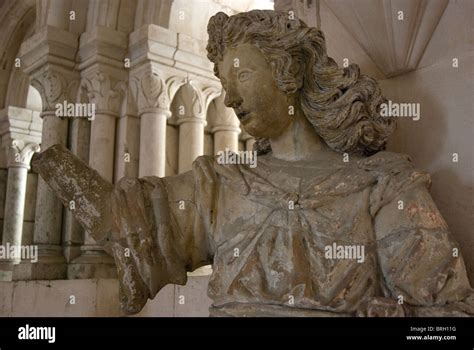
(342,105)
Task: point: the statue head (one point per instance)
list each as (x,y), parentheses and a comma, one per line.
(269,63)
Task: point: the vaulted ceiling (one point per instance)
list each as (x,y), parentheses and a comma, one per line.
(393,34)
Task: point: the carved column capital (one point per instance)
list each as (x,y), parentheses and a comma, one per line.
(48,58)
(206,92)
(20,153)
(152,88)
(55,85)
(229,128)
(188,102)
(105,91)
(150,91)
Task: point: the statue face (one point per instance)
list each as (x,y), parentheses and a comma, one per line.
(262,108)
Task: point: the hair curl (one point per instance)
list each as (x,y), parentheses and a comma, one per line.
(342,105)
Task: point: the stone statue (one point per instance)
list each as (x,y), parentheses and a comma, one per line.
(327,223)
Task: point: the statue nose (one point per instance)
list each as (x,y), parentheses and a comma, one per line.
(232,101)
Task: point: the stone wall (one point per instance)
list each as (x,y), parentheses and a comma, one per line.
(446,121)
(97,297)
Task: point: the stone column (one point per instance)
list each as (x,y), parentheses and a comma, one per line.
(151,95)
(191,122)
(55,87)
(102,50)
(153,142)
(49,59)
(105,92)
(19,157)
(127,145)
(226,128)
(226,137)
(191,141)
(102,143)
(73,233)
(48,217)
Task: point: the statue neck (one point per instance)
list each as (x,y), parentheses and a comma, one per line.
(300,142)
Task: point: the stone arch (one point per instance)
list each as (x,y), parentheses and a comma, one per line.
(17,22)
(188,101)
(68,15)
(112,14)
(19,87)
(153,12)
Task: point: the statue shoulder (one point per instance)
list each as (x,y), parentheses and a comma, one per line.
(395,174)
(212,169)
(205,161)
(386,162)
(230,174)
(398,167)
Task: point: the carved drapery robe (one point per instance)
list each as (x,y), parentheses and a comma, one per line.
(266,230)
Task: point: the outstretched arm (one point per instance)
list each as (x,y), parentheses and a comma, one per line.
(79,188)
(155,228)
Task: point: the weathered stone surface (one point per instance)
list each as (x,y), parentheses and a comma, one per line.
(328,223)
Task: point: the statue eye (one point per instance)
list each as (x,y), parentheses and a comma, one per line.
(244,75)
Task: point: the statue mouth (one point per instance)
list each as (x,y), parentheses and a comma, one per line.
(242,116)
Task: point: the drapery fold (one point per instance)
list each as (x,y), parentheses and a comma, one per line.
(265,251)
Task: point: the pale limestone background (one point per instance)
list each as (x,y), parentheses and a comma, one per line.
(446,122)
(97,297)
